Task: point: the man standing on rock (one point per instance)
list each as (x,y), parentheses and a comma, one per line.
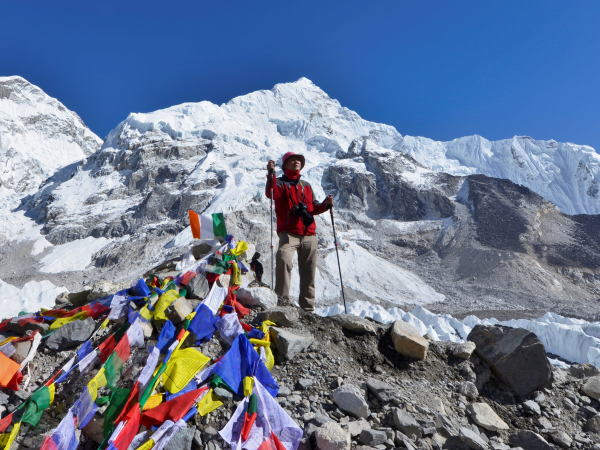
(295,207)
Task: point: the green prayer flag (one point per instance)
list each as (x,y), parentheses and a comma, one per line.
(219,228)
(36,404)
(118,399)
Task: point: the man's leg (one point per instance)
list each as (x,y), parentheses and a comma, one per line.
(307,266)
(288,244)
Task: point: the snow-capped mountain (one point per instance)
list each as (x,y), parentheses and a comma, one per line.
(416,225)
(38,135)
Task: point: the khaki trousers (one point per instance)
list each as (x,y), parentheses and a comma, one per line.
(306,247)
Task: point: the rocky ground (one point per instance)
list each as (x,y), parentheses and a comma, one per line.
(350,382)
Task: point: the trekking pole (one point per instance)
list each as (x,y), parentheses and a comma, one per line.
(272,256)
(338,258)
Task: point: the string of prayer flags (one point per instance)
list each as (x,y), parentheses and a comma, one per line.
(63,437)
(182,368)
(242,361)
(174,409)
(203,324)
(37,403)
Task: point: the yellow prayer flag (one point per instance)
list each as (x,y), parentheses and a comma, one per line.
(248,384)
(12,338)
(236,275)
(51,391)
(105,323)
(240,248)
(146,445)
(182,367)
(163,303)
(97,382)
(153,401)
(7,439)
(209,403)
(63,321)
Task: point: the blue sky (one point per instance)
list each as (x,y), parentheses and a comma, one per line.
(441,69)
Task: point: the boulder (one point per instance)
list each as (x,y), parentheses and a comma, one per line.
(583,370)
(372,437)
(201,249)
(472,439)
(516,356)
(197,288)
(593,424)
(289,344)
(105,288)
(78,298)
(383,391)
(406,423)
(178,310)
(591,388)
(330,436)
(408,341)
(350,399)
(356,324)
(71,334)
(182,439)
(283,316)
(464,350)
(15,327)
(484,416)
(257,296)
(528,440)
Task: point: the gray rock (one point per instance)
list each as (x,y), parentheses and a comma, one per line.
(356,324)
(464,350)
(223,393)
(591,388)
(305,444)
(304,383)
(544,423)
(561,438)
(484,416)
(78,298)
(71,334)
(283,316)
(320,419)
(257,296)
(532,407)
(583,370)
(372,437)
(182,439)
(197,288)
(472,439)
(511,352)
(468,389)
(284,391)
(21,351)
(482,377)
(197,438)
(201,249)
(593,424)
(4,398)
(408,341)
(406,423)
(383,391)
(528,440)
(539,397)
(178,310)
(331,436)
(356,427)
(212,445)
(14,326)
(289,344)
(351,400)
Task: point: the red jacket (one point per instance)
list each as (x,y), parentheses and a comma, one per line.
(300,191)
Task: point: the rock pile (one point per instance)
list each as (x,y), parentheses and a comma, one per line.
(347,383)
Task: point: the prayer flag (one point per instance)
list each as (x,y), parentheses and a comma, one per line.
(172,410)
(207,226)
(249,417)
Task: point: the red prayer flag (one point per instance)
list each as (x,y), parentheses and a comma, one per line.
(5,422)
(132,399)
(123,349)
(106,348)
(173,409)
(194,224)
(125,437)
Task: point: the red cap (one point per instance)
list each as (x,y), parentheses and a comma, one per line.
(288,154)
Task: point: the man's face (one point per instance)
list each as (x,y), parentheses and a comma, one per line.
(293,163)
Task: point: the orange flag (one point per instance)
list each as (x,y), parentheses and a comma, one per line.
(194,224)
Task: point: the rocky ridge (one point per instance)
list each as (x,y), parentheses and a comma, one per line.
(349,383)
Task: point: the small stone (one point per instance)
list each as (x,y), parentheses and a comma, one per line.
(223,393)
(182,439)
(408,341)
(257,296)
(197,288)
(593,424)
(356,427)
(561,438)
(319,419)
(71,334)
(356,324)
(304,383)
(544,423)
(532,407)
(406,423)
(331,436)
(472,439)
(464,350)
(583,370)
(94,430)
(383,391)
(178,310)
(351,400)
(468,389)
(591,388)
(282,316)
(539,397)
(289,344)
(284,391)
(484,416)
(372,437)
(197,438)
(528,440)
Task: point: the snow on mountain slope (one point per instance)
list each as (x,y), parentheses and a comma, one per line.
(566,174)
(38,136)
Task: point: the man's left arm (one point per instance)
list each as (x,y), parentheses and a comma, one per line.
(320,208)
